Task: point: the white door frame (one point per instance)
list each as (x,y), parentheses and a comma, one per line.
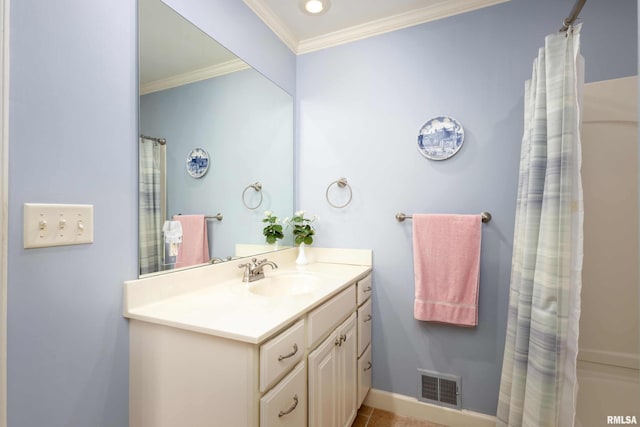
(4,200)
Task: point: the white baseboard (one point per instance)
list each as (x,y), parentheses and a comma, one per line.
(410,407)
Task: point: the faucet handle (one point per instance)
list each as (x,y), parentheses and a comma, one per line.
(248,270)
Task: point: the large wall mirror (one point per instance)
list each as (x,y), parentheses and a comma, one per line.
(195,94)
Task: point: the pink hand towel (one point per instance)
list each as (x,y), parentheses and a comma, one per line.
(446,259)
(195,245)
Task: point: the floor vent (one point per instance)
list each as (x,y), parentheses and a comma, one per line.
(439,389)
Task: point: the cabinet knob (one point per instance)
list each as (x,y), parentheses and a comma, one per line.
(368,318)
(368,366)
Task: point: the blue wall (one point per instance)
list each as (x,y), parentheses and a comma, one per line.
(73,139)
(360,107)
(73,103)
(245,122)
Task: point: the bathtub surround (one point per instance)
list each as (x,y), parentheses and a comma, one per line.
(609,348)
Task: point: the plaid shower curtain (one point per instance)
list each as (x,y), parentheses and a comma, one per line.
(150,209)
(538,385)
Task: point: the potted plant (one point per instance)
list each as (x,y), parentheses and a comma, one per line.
(272,231)
(303,232)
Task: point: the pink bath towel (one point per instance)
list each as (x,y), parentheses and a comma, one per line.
(195,245)
(446,259)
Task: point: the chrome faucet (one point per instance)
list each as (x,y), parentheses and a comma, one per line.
(253,270)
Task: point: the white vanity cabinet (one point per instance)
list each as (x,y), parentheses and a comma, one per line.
(220,356)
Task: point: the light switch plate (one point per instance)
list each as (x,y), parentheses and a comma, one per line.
(57,225)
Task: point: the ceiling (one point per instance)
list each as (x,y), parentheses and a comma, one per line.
(174,52)
(349,20)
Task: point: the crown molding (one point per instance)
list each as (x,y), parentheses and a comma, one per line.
(274,23)
(194,76)
(392,23)
(434,12)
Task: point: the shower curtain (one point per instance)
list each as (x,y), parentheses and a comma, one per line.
(538,385)
(151,205)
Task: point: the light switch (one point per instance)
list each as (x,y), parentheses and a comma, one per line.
(57,225)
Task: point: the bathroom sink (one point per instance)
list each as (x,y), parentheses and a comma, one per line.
(285,284)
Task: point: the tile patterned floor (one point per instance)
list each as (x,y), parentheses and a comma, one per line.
(371,417)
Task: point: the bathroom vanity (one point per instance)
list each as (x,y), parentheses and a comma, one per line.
(290,349)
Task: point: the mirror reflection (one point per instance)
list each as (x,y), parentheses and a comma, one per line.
(216,147)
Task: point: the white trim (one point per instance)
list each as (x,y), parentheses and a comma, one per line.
(194,76)
(358,32)
(4,201)
(410,407)
(393,23)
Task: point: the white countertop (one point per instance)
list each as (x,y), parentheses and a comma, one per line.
(226,308)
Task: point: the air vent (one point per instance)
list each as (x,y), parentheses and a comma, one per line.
(439,389)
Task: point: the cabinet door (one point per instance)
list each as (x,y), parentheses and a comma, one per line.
(323,375)
(347,373)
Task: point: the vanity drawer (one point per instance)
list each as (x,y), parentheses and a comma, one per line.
(280,354)
(364,289)
(286,404)
(364,375)
(324,318)
(364,326)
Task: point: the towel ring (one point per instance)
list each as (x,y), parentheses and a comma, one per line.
(257,187)
(342,183)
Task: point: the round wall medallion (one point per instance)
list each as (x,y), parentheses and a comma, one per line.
(440,138)
(197,162)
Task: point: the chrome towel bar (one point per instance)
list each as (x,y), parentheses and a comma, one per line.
(217,216)
(400,217)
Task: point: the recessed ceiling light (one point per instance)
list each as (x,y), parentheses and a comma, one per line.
(315,7)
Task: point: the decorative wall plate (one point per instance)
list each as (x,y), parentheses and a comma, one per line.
(197,162)
(440,138)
